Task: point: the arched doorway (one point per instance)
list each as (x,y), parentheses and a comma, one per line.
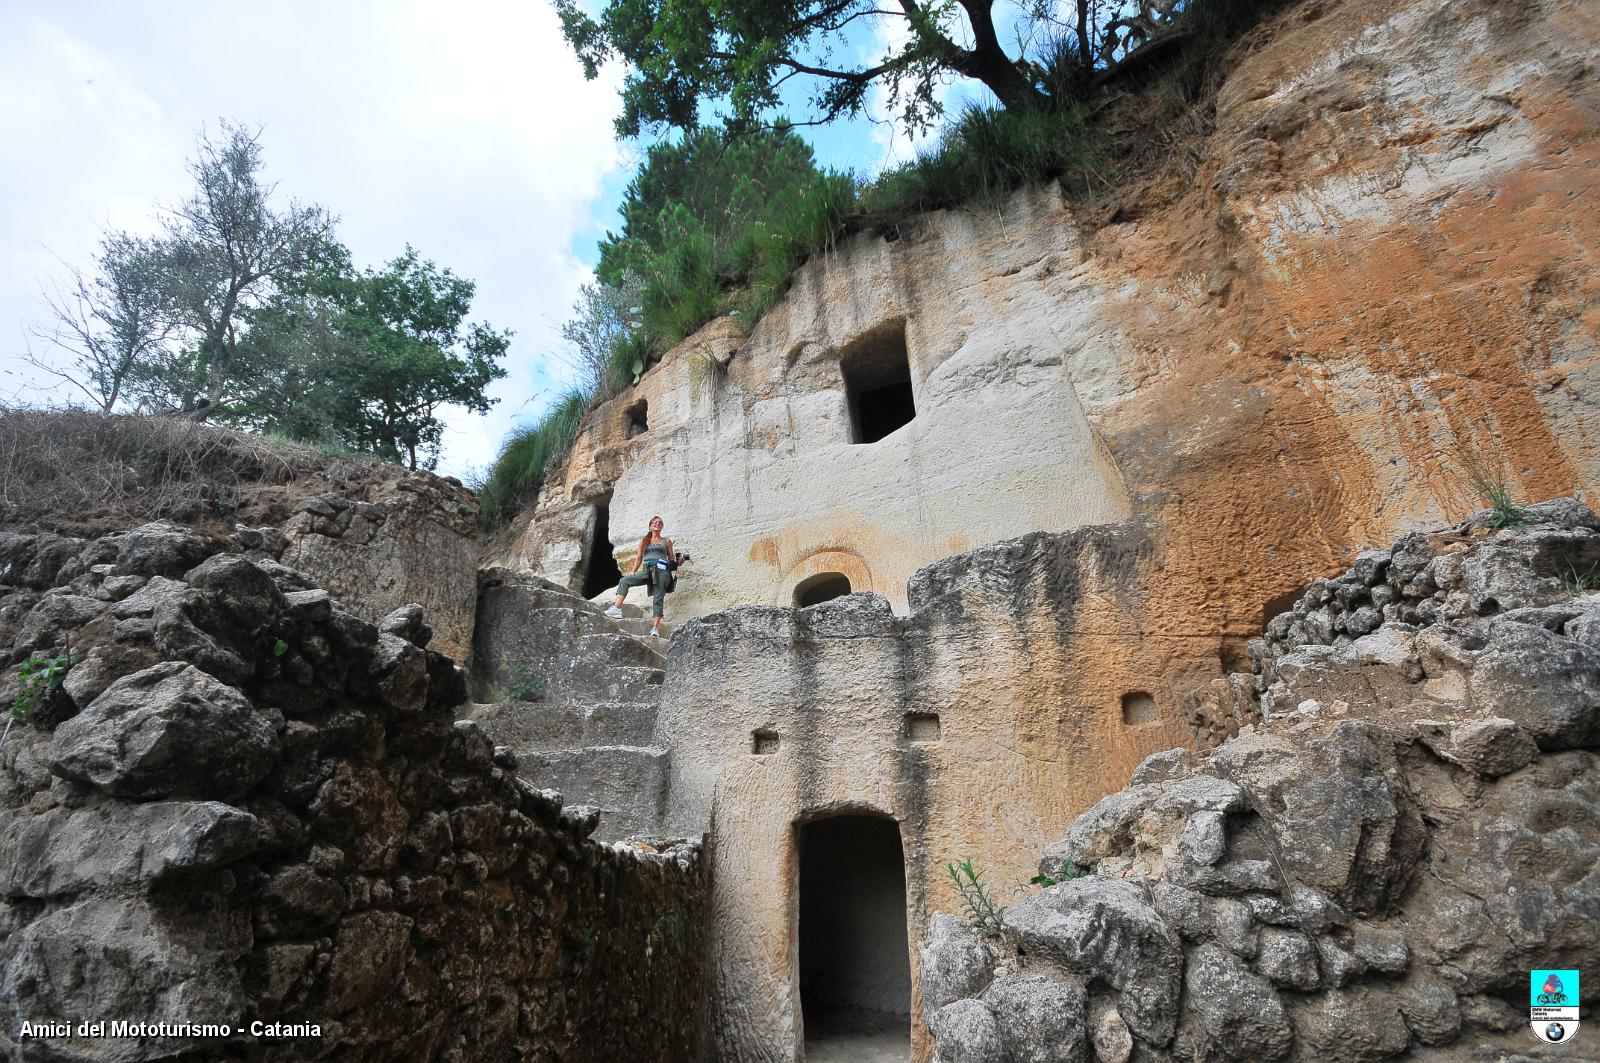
(855,970)
(823,587)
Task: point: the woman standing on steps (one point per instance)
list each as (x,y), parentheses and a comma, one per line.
(658,559)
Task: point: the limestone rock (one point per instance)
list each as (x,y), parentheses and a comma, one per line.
(1288,958)
(966,1032)
(169,730)
(954,963)
(1041,1019)
(1101,930)
(118,844)
(1545,683)
(1229,1013)
(1163,767)
(1108,1034)
(1352,1025)
(1489,747)
(119,958)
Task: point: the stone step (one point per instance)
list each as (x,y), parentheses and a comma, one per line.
(623,649)
(627,784)
(641,628)
(527,726)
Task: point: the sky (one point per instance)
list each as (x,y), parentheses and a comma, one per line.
(464,129)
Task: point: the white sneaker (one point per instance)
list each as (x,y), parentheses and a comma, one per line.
(655,634)
(613,612)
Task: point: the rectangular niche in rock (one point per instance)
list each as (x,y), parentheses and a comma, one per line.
(1138,708)
(638,418)
(877,383)
(922,726)
(763,742)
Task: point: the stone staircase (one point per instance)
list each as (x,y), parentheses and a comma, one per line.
(574,694)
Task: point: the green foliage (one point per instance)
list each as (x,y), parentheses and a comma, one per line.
(249,311)
(363,361)
(987,154)
(279,647)
(1486,478)
(604,317)
(523,685)
(37,678)
(1068,872)
(1576,582)
(716,212)
(982,911)
(694,57)
(518,473)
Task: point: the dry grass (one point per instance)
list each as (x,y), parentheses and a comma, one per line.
(82,472)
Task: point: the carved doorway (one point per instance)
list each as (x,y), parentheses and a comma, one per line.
(854,963)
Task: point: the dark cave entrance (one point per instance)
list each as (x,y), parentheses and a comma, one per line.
(877,383)
(855,969)
(823,587)
(600,569)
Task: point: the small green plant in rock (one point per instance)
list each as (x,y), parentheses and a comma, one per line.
(1068,872)
(1577,582)
(38,677)
(982,911)
(1486,479)
(523,685)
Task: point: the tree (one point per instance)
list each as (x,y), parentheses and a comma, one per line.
(229,250)
(603,316)
(712,182)
(110,323)
(682,53)
(366,360)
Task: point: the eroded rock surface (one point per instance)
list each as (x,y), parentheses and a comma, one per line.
(246,803)
(1372,869)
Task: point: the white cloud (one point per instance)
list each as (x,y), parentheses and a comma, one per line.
(893,140)
(465,129)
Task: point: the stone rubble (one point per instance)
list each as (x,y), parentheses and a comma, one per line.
(247,803)
(1368,870)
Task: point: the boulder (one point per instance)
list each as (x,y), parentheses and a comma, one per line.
(966,1032)
(1491,747)
(118,844)
(1229,1013)
(1101,930)
(1041,1018)
(954,963)
(114,957)
(1546,683)
(169,730)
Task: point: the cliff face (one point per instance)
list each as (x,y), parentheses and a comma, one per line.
(1379,263)
(1378,272)
(1371,870)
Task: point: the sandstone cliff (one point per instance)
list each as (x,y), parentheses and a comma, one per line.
(1377,258)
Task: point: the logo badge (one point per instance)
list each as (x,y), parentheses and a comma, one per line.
(1553,1005)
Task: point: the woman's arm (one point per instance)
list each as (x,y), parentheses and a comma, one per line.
(672,552)
(638,559)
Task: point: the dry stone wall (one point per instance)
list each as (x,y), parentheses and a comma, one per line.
(1369,871)
(245,804)
(410,539)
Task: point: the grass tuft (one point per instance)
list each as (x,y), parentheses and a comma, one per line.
(519,472)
